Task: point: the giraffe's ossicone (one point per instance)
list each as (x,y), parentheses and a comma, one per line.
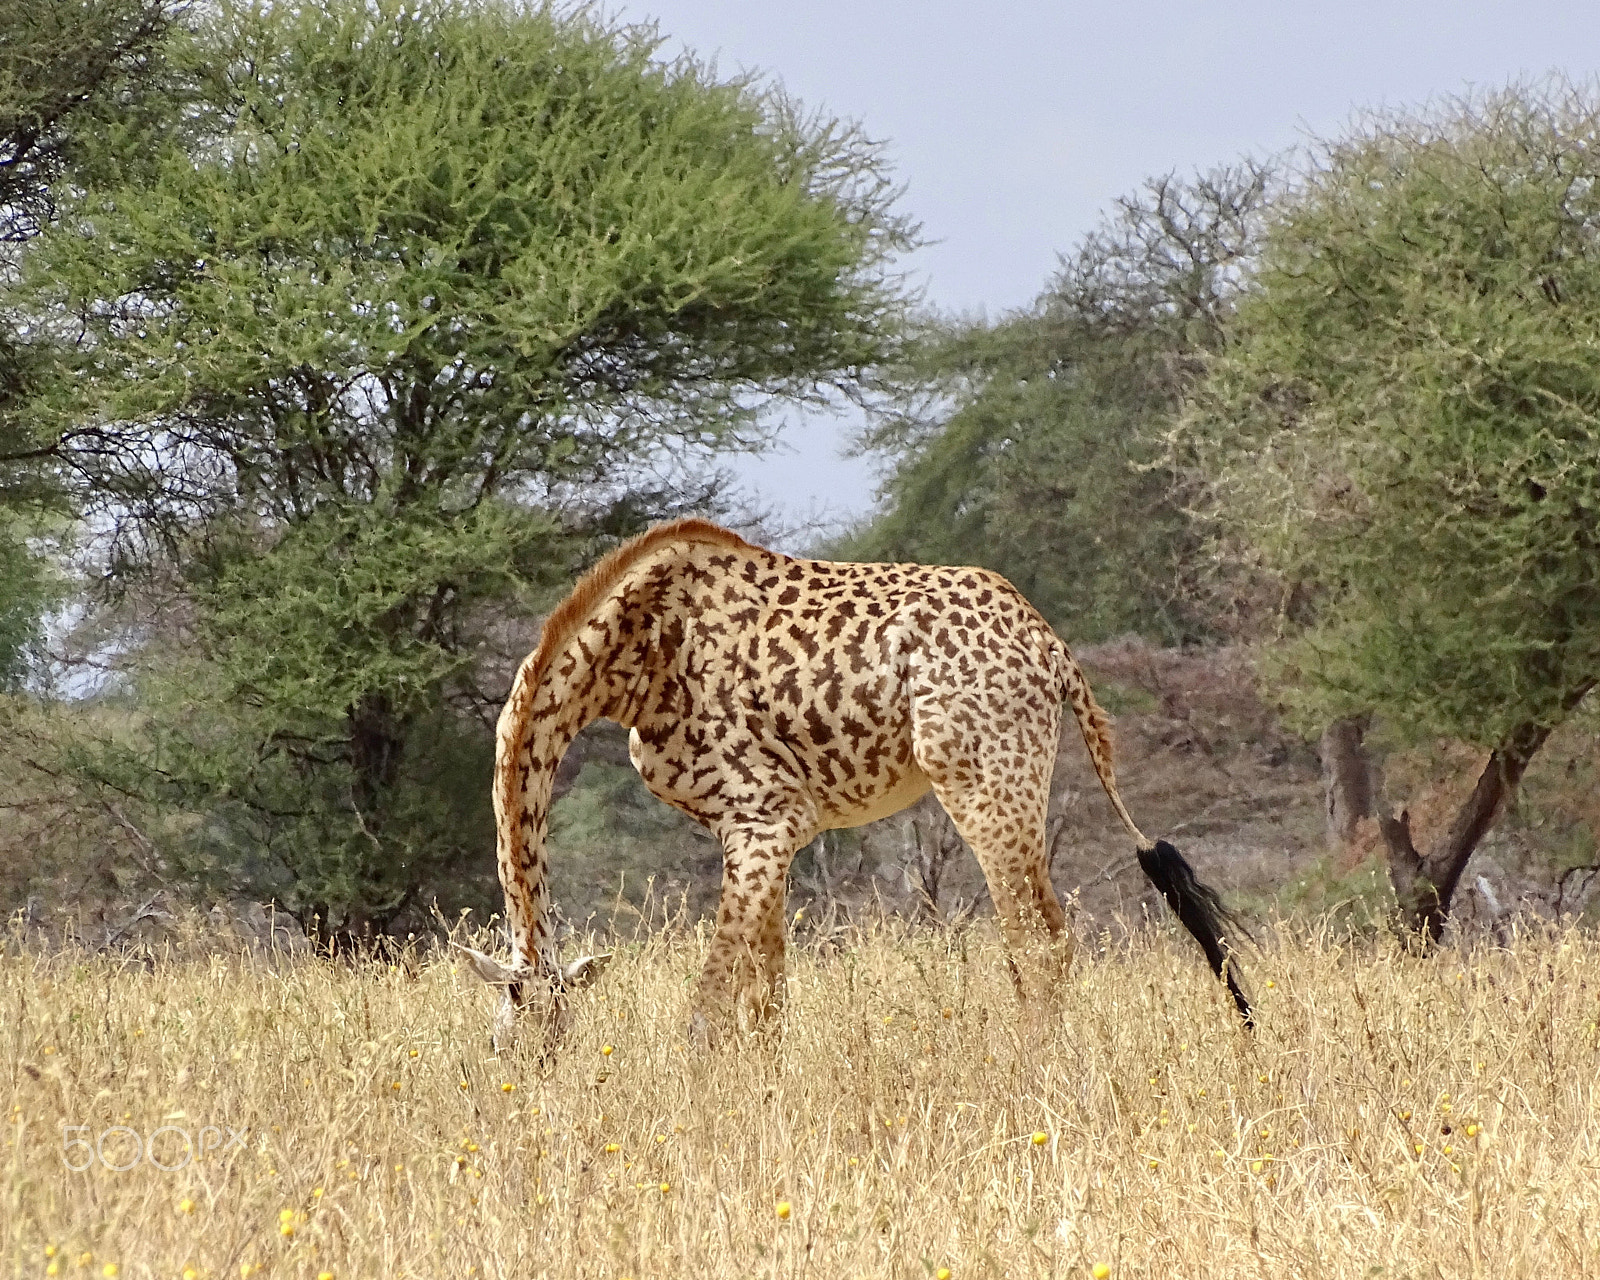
(771,698)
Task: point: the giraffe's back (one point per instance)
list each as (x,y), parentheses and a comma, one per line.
(774,667)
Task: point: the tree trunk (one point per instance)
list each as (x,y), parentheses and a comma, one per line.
(376,743)
(1424,885)
(1348,781)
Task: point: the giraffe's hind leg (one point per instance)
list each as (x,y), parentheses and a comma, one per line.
(994,782)
(1008,841)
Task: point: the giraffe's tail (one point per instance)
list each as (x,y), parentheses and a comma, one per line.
(1200,911)
(1197,906)
(1095,726)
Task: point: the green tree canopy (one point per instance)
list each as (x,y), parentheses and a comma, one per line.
(1407,427)
(415,292)
(1031,445)
(65,66)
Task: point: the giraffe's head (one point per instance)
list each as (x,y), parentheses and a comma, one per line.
(519,983)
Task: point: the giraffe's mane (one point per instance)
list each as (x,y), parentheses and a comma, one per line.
(581,602)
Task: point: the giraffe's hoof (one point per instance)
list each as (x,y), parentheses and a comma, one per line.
(502,1041)
(704,1033)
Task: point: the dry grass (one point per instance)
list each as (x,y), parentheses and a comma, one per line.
(1392,1117)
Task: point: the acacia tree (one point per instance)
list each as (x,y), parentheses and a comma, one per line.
(1032,446)
(64,66)
(419,301)
(1407,431)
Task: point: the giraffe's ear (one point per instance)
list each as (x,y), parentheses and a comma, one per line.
(487,967)
(585,969)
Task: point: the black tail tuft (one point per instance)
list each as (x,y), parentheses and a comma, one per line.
(1200,911)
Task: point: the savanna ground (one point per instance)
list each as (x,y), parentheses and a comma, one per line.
(902,1139)
(1392,1116)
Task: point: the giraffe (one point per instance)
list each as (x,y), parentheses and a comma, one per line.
(771,698)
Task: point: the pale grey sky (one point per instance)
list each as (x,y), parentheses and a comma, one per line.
(1013,124)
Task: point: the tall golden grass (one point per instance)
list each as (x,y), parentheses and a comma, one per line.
(1391,1117)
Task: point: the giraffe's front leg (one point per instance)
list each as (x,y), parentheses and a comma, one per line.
(741,986)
